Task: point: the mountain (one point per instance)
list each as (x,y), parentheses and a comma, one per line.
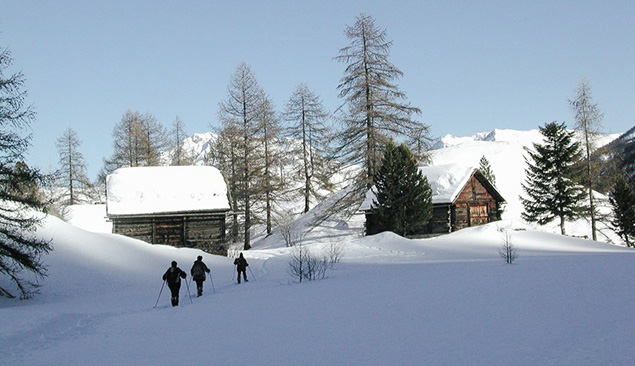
(615,157)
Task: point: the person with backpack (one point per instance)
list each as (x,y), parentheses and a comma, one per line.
(241,266)
(198,271)
(173,277)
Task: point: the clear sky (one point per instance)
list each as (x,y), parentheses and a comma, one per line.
(471,66)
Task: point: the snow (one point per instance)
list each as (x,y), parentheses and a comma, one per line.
(391,301)
(143,190)
(449,300)
(446,182)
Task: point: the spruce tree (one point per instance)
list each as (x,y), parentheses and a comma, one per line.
(622,199)
(486,169)
(20,249)
(403,201)
(549,183)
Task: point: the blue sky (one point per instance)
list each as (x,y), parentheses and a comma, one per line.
(470,66)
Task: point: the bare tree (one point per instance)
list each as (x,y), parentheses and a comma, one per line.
(240,112)
(588,119)
(225,156)
(376,109)
(154,139)
(508,251)
(179,155)
(270,132)
(138,141)
(306,115)
(72,170)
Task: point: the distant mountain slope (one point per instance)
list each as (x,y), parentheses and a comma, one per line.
(616,156)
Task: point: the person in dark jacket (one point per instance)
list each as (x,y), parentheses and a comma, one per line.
(241,266)
(173,277)
(198,274)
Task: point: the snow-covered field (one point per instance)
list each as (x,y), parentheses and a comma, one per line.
(449,300)
(391,301)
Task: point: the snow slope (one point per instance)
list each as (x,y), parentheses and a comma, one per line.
(505,150)
(391,301)
(448,300)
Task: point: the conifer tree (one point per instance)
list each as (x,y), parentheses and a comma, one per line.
(240,114)
(486,169)
(20,249)
(306,116)
(374,108)
(549,183)
(72,165)
(403,201)
(268,181)
(138,141)
(622,199)
(179,155)
(588,119)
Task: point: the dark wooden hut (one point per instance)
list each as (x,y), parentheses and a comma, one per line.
(182,206)
(461,197)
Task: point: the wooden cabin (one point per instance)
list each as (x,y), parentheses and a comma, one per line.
(461,197)
(182,206)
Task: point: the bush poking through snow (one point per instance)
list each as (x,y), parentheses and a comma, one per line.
(508,251)
(335,252)
(305,266)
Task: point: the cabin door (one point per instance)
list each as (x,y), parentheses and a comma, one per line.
(478,214)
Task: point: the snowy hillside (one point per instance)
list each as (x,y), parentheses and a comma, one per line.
(391,301)
(449,300)
(505,151)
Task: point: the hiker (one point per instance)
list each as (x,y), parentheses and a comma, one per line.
(198,274)
(241,266)
(173,277)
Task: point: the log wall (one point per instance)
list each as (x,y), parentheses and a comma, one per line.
(205,231)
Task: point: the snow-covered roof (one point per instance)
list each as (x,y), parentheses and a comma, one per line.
(165,189)
(446,182)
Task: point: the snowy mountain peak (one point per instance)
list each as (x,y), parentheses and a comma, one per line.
(496,135)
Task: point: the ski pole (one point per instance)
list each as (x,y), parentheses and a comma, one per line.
(188,291)
(155,305)
(212,281)
(252,274)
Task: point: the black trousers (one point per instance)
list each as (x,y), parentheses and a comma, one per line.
(174,289)
(244,272)
(199,286)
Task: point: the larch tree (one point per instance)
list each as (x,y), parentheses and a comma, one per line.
(127,142)
(72,166)
(240,112)
(306,118)
(180,156)
(138,141)
(403,201)
(154,140)
(270,132)
(550,186)
(588,119)
(374,108)
(20,209)
(225,156)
